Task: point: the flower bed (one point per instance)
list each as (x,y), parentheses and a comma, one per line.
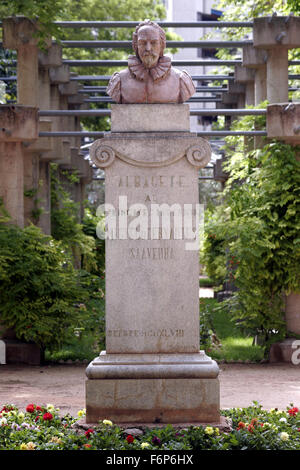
(42,428)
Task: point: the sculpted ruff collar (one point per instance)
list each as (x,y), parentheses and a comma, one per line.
(140,72)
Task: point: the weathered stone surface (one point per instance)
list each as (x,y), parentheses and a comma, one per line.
(145,366)
(150,118)
(283,122)
(236,88)
(2,352)
(52,57)
(20,31)
(68,89)
(283,351)
(23,353)
(224,425)
(77,163)
(269,32)
(243,74)
(18,123)
(43,144)
(152,370)
(12,180)
(146,311)
(153,400)
(219,173)
(44,195)
(254,58)
(59,74)
(292,313)
(77,99)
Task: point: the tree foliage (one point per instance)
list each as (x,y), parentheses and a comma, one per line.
(256,231)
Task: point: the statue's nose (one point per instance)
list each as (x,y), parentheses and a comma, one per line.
(148,46)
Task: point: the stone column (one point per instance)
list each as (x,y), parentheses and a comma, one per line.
(277,35)
(246,77)
(239,90)
(52,58)
(20,33)
(256,59)
(19,125)
(58,75)
(152,370)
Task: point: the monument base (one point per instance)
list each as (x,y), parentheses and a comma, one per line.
(283,351)
(153,388)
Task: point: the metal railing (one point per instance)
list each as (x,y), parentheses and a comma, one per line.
(219,133)
(163,24)
(193,112)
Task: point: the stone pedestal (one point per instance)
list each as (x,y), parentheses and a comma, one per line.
(152,369)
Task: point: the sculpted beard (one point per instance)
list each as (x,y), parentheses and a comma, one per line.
(149,59)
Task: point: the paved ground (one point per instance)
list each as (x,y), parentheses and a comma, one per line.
(272,385)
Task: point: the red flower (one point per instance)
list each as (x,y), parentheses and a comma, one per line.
(30,408)
(293,411)
(254,422)
(250,428)
(7,408)
(87,446)
(241,425)
(88,433)
(130,439)
(38,408)
(47,417)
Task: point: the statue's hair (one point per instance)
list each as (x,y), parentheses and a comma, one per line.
(162,36)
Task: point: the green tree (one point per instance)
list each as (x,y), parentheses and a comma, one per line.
(256,231)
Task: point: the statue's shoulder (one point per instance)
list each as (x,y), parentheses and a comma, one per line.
(114,86)
(187,87)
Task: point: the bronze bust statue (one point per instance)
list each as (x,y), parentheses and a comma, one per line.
(150,78)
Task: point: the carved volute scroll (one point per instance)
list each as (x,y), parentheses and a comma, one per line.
(196,149)
(102,155)
(199,155)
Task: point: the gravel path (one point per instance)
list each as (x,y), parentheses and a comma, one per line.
(272,385)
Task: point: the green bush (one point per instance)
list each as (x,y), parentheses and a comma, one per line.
(39,287)
(65,225)
(252,239)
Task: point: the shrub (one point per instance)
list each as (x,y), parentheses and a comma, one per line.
(252,239)
(38,286)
